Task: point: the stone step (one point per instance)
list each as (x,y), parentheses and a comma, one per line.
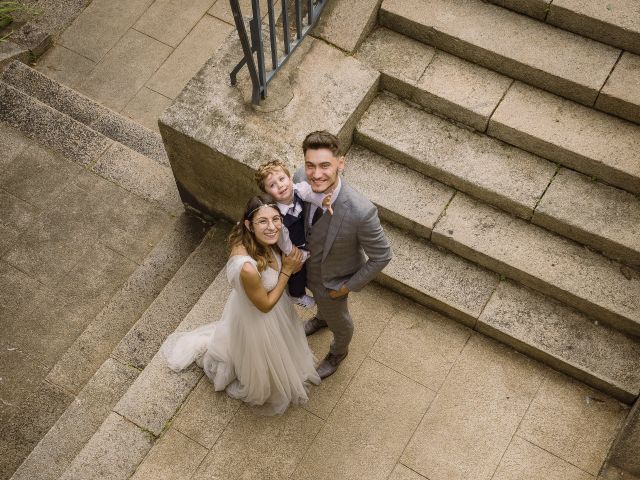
(86,111)
(578,137)
(147,406)
(573,205)
(84,145)
(516,45)
(615,23)
(585,280)
(529,321)
(176,298)
(495,172)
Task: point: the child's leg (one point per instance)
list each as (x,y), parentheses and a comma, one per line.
(298,282)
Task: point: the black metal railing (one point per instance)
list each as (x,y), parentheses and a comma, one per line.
(253,44)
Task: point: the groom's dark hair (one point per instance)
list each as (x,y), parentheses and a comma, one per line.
(321,139)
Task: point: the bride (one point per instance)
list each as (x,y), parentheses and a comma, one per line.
(257,350)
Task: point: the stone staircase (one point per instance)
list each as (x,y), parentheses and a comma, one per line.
(507,177)
(522,216)
(102,363)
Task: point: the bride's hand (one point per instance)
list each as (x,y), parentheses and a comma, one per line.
(292,263)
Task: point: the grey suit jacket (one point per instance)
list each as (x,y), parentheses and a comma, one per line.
(354,231)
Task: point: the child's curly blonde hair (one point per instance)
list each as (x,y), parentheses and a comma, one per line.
(267,169)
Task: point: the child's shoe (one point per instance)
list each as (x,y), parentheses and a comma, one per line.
(305,301)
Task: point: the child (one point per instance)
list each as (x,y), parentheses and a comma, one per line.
(274,178)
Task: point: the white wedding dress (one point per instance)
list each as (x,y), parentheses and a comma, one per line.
(260,358)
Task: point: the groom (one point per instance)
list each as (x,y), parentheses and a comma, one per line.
(338,239)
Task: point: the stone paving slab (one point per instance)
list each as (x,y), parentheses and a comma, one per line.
(222,10)
(174,457)
(533,8)
(113,452)
(614,22)
(54,453)
(346,24)
(515,45)
(375,432)
(542,260)
(573,421)
(492,171)
(570,134)
(50,127)
(95,343)
(146,107)
(125,69)
(170,307)
(192,53)
(564,338)
(525,460)
(440,82)
(255,446)
(416,213)
(475,414)
(621,94)
(12,143)
(436,278)
(169,21)
(10,51)
(592,213)
(140,175)
(65,66)
(30,421)
(101,25)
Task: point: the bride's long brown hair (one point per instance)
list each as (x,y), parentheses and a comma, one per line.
(241,235)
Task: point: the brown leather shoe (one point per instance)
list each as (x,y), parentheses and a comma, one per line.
(329,365)
(313,325)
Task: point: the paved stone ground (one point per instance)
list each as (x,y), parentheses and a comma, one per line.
(68,241)
(419,397)
(135,56)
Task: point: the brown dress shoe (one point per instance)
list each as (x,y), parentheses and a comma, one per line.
(313,325)
(330,364)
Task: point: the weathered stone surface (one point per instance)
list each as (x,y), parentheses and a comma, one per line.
(570,134)
(101,336)
(524,460)
(534,8)
(145,108)
(475,414)
(517,46)
(490,170)
(30,421)
(192,53)
(346,24)
(175,456)
(621,94)
(417,212)
(171,20)
(215,139)
(177,298)
(12,142)
(565,339)
(50,127)
(77,424)
(592,213)
(58,14)
(614,22)
(205,414)
(542,260)
(624,453)
(375,431)
(222,10)
(573,422)
(33,37)
(10,52)
(113,453)
(420,344)
(125,69)
(256,446)
(65,66)
(400,472)
(139,175)
(99,27)
(437,278)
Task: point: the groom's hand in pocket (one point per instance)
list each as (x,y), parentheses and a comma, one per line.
(339,293)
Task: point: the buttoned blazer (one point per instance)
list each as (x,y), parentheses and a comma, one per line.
(355,248)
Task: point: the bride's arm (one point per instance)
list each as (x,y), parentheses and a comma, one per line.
(263,300)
